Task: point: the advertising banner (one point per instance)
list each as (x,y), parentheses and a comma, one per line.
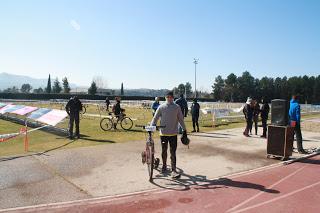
(53,117)
(38,113)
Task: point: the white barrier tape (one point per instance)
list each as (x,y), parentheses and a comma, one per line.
(32,130)
(5,137)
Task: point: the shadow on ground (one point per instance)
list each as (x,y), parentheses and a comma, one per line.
(34,153)
(200,182)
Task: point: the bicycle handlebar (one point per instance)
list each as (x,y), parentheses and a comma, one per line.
(144,126)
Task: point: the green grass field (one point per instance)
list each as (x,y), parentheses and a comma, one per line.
(91,132)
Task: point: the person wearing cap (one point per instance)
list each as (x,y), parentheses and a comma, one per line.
(295,119)
(264,116)
(195,112)
(248,114)
(73,108)
(155,105)
(170,115)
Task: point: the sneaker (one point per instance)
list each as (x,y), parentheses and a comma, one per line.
(164,169)
(198,130)
(263,136)
(303,152)
(193,131)
(175,175)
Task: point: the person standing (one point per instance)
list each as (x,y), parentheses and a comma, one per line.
(182,102)
(295,120)
(248,114)
(155,105)
(265,109)
(195,112)
(256,112)
(73,108)
(170,115)
(107,103)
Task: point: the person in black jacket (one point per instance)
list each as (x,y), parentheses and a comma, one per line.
(195,112)
(182,102)
(256,112)
(248,114)
(264,116)
(118,111)
(107,103)
(73,108)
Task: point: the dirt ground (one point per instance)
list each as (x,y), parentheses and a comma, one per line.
(312,125)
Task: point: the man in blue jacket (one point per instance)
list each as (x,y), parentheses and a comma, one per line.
(295,118)
(155,105)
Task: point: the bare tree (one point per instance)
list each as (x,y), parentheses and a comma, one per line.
(100,81)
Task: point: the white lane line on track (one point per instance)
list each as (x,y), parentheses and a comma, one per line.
(269,187)
(277,198)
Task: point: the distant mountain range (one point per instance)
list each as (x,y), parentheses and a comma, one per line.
(9,80)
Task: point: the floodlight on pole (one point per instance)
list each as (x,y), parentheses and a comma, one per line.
(195,61)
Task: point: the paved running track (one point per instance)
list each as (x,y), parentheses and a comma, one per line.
(283,188)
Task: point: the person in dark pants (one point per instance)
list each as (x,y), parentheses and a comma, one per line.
(171,115)
(295,118)
(73,108)
(118,111)
(265,109)
(195,112)
(248,114)
(107,103)
(256,112)
(182,102)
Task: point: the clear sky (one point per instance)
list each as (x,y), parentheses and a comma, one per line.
(151,44)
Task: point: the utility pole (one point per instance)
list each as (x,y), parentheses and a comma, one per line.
(195,61)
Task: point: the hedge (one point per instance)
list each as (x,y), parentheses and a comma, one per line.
(47,96)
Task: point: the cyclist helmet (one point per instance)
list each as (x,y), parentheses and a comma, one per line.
(185,140)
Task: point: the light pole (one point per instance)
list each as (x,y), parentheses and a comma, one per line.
(195,61)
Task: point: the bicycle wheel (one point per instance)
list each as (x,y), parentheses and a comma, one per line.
(150,160)
(84,110)
(106,124)
(126,123)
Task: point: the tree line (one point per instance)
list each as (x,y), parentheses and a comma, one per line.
(238,88)
(58,87)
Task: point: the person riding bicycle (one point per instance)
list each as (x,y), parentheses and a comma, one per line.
(118,111)
(170,114)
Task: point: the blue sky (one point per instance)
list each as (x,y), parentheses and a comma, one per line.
(151,44)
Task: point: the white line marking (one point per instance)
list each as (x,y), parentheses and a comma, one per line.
(269,187)
(277,198)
